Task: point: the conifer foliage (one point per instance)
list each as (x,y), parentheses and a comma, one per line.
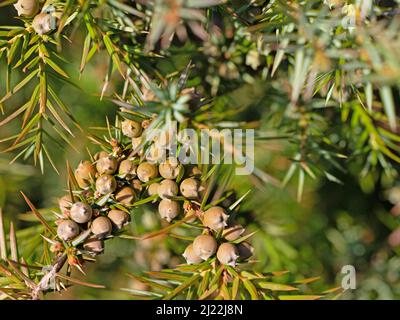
(330,73)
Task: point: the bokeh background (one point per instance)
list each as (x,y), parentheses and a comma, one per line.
(334,224)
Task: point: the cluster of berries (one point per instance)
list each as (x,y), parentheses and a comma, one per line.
(113,182)
(42,22)
(206,245)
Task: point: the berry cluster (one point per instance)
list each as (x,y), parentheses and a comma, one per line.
(115,182)
(42,22)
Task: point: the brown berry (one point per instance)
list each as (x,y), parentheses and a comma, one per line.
(101,227)
(105,184)
(245,250)
(215,218)
(100,154)
(94,245)
(127,169)
(43,23)
(136,184)
(168,209)
(84,173)
(65,204)
(227,254)
(107,165)
(67,230)
(27,8)
(125,196)
(131,129)
(167,189)
(233,232)
(146,171)
(190,256)
(190,188)
(153,189)
(118,218)
(170,169)
(204,246)
(81,212)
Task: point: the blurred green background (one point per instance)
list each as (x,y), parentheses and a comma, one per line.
(334,225)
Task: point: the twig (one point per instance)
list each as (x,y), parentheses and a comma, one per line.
(44,282)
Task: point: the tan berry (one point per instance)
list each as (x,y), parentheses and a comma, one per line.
(190,188)
(227,254)
(168,209)
(153,189)
(101,227)
(125,196)
(146,171)
(43,23)
(105,184)
(190,256)
(81,212)
(131,129)
(127,169)
(233,232)
(204,246)
(118,218)
(67,230)
(27,8)
(100,154)
(65,204)
(94,245)
(107,165)
(84,173)
(136,184)
(167,189)
(245,250)
(82,183)
(215,218)
(170,169)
